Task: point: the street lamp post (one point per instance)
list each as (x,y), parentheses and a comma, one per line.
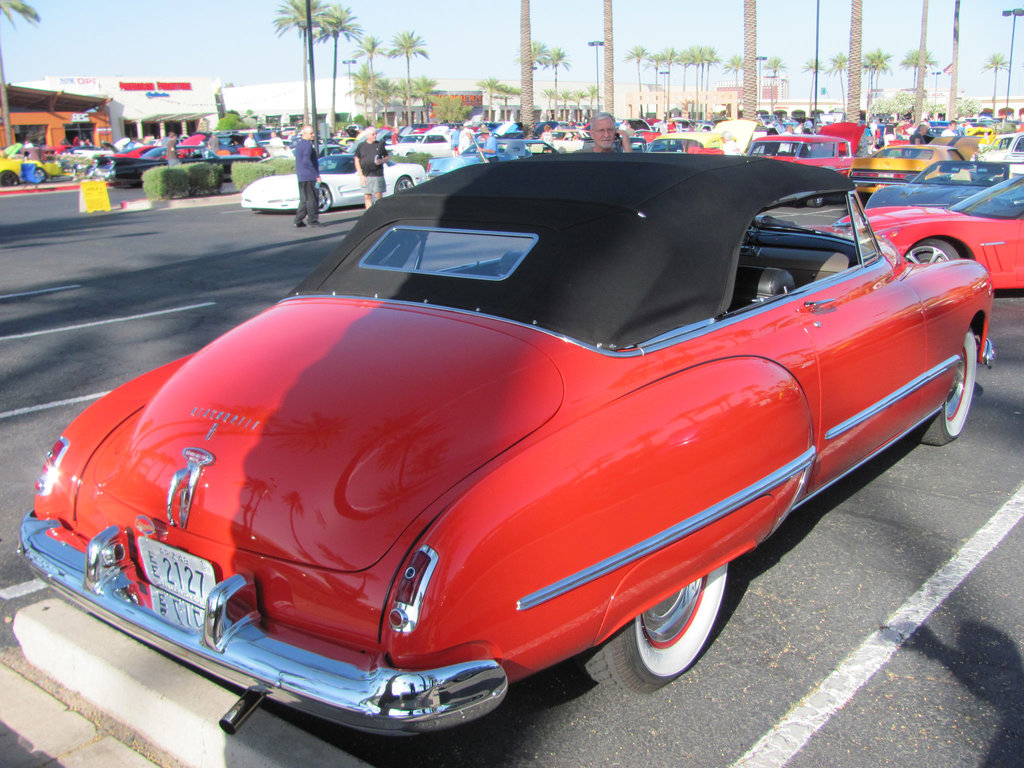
(1014,12)
(757,102)
(664,73)
(597,45)
(348,63)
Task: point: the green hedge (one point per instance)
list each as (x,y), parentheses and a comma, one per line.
(243,174)
(204,178)
(415,157)
(163,183)
(189,180)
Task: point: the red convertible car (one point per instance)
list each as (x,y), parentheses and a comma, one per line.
(525,412)
(987,227)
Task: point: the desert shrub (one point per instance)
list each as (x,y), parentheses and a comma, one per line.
(243,174)
(415,157)
(204,178)
(164,183)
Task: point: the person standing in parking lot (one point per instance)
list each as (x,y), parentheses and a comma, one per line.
(370,158)
(171,148)
(307,170)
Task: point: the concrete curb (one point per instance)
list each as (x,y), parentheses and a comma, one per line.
(187,202)
(24,189)
(168,705)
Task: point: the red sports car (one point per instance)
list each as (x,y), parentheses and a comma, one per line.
(987,227)
(525,412)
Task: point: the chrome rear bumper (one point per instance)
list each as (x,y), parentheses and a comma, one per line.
(379,700)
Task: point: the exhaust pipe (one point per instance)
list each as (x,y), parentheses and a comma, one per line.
(239,713)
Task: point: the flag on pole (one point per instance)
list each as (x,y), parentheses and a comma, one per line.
(948,70)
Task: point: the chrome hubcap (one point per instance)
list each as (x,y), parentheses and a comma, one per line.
(668,619)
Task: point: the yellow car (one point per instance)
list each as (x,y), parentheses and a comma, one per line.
(705,141)
(12,172)
(899,163)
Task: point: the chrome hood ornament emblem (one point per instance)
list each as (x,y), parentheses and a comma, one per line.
(184,482)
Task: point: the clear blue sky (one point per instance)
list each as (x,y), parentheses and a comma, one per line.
(235,40)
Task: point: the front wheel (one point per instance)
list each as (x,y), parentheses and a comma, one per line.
(931,250)
(8,178)
(949,422)
(662,642)
(324,197)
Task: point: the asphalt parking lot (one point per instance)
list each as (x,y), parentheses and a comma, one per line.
(829,653)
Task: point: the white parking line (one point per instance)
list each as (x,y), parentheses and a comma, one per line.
(55,404)
(36,293)
(20,590)
(107,322)
(791,734)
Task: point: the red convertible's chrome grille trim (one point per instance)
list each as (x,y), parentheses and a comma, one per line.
(670,535)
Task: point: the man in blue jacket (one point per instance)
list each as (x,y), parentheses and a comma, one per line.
(307,170)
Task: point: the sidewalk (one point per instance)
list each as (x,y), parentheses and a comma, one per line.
(129,205)
(164,711)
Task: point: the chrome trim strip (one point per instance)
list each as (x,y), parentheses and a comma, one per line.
(670,535)
(893,398)
(378,700)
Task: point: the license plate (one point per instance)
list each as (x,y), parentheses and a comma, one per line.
(177,572)
(173,609)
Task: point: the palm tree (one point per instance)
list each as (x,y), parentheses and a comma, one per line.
(525,69)
(506,92)
(813,66)
(552,96)
(387,91)
(363,88)
(27,12)
(422,88)
(706,58)
(291,14)
(337,21)
(669,57)
(995,62)
(910,60)
(687,59)
(837,66)
(489,86)
(609,59)
(657,61)
(774,65)
(593,92)
(576,98)
(951,111)
(750,84)
(557,57)
(406,45)
(641,56)
(853,63)
(922,70)
(876,64)
(371,47)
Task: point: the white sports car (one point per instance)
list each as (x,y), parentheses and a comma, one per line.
(339,185)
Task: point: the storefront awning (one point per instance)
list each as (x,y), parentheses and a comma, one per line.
(35,100)
(176,117)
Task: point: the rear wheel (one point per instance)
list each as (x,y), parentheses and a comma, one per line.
(39,175)
(662,642)
(403,183)
(949,422)
(931,250)
(325,198)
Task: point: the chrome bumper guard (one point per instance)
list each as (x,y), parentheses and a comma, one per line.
(379,700)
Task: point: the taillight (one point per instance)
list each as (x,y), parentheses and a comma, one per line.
(51,467)
(411,587)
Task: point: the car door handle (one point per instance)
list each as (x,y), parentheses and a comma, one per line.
(821,305)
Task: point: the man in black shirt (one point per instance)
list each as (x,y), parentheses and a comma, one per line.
(370,158)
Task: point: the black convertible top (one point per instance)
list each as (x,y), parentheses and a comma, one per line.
(630,246)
